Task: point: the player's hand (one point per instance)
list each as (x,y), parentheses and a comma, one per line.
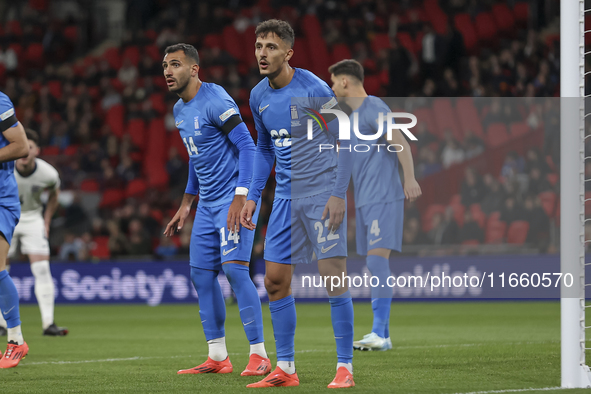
(234,213)
(412,190)
(247,213)
(177,222)
(335,211)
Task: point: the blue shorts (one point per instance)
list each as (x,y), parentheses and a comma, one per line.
(212,245)
(295,231)
(9,217)
(379,226)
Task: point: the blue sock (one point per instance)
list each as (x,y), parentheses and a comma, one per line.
(381,297)
(341,314)
(212,308)
(249,302)
(9,300)
(283,316)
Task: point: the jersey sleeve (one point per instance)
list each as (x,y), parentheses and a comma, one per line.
(223,112)
(264,156)
(54,181)
(7,115)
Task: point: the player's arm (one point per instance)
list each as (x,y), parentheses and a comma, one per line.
(18,146)
(412,190)
(191,191)
(336,206)
(50,208)
(241,138)
(264,158)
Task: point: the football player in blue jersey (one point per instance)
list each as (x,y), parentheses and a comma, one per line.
(221,152)
(13,145)
(379,193)
(309,210)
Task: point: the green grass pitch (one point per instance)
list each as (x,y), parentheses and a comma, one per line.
(439,347)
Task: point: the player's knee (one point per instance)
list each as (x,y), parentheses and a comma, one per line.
(273,285)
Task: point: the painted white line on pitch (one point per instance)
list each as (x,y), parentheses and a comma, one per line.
(517,390)
(138,358)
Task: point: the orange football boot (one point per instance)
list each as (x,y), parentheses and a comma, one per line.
(278,378)
(210,366)
(13,355)
(257,366)
(343,379)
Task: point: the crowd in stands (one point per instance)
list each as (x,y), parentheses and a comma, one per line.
(105,116)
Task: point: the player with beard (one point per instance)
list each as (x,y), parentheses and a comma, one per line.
(221,152)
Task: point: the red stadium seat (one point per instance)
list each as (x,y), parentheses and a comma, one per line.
(455,199)
(503,17)
(71,33)
(479,217)
(135,188)
(158,104)
(486,29)
(50,151)
(153,52)
(14,26)
(89,185)
(372,84)
(517,233)
(463,23)
(458,210)
(519,128)
(496,135)
(494,217)
(132,53)
(34,55)
(521,12)
(445,116)
(552,178)
(406,41)
(340,52)
(213,41)
(301,60)
(311,26)
(495,232)
(71,150)
(137,131)
(379,42)
(115,118)
(55,88)
(232,42)
(111,198)
(112,57)
(100,247)
(425,115)
(468,117)
(471,242)
(548,200)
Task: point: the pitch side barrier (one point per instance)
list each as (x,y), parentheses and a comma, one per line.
(433,278)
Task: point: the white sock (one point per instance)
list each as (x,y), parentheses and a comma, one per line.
(287,366)
(217,349)
(2,321)
(16,335)
(258,348)
(349,366)
(44,291)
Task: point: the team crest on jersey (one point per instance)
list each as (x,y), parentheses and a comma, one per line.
(196,123)
(293,109)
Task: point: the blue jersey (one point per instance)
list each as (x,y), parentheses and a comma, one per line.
(204,123)
(281,119)
(375,173)
(8,186)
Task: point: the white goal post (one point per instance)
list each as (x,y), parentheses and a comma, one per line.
(574,371)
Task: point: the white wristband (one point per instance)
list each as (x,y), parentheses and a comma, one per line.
(241,191)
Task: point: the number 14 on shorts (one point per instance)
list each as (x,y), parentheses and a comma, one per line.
(233,236)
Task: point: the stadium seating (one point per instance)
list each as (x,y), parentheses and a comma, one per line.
(495,232)
(111,198)
(517,233)
(496,135)
(548,200)
(503,17)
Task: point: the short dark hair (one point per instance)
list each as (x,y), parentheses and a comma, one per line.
(347,67)
(188,49)
(280,28)
(32,135)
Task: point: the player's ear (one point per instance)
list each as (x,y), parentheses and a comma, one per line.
(344,82)
(289,54)
(194,70)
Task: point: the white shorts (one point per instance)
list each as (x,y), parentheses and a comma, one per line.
(29,236)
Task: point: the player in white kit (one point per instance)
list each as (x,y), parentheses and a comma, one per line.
(35,176)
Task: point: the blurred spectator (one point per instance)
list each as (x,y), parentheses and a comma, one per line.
(151,225)
(472,191)
(73,248)
(166,248)
(127,73)
(413,234)
(140,242)
(118,243)
(494,197)
(539,223)
(8,57)
(452,153)
(511,211)
(537,183)
(470,229)
(513,165)
(400,62)
(444,229)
